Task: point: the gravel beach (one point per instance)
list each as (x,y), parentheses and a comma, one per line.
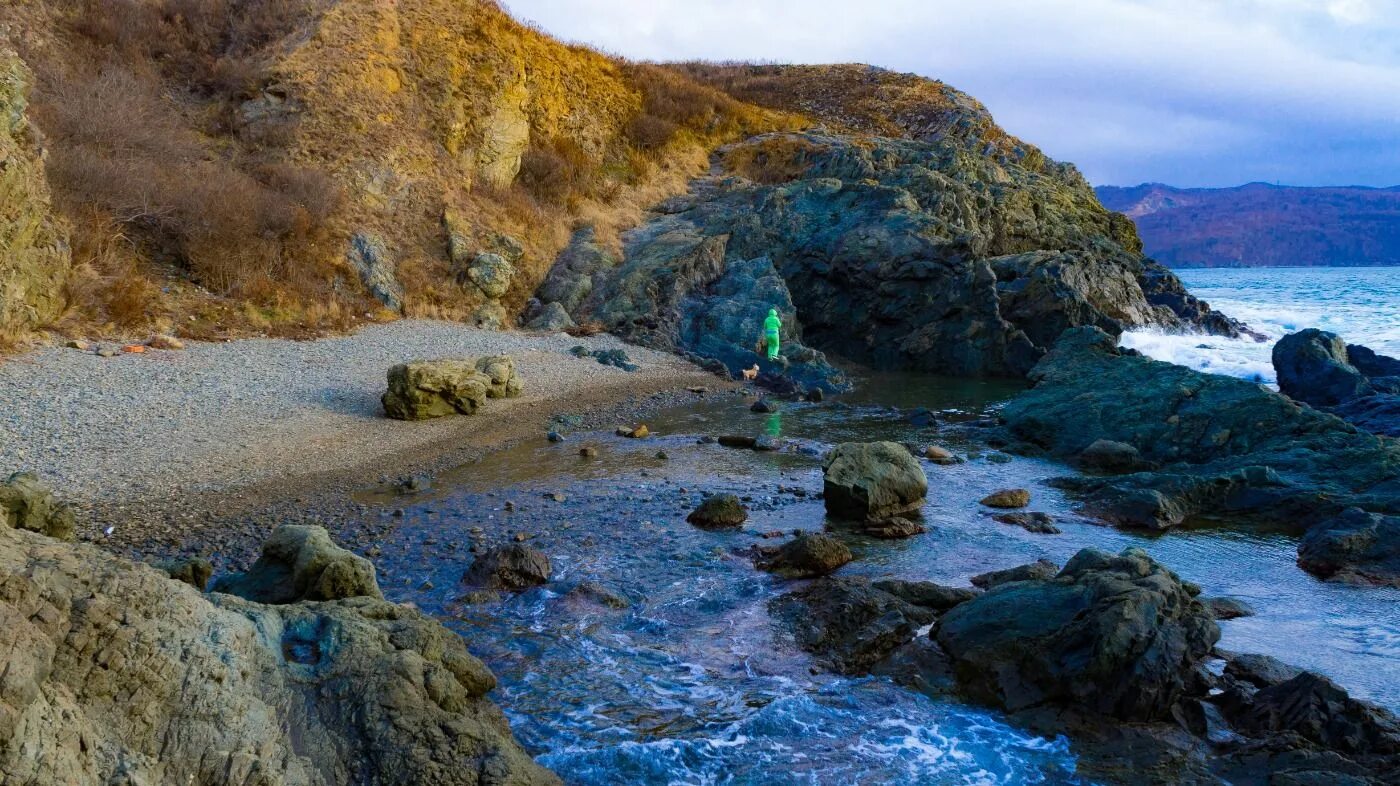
(130,439)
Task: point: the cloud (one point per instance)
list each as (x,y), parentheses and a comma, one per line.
(1194,92)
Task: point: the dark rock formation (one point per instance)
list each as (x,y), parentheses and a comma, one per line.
(1112,458)
(1041,523)
(848,624)
(1355,546)
(1039,570)
(1315,367)
(117,675)
(718,512)
(807,556)
(427,389)
(933,253)
(1226,447)
(1228,608)
(927,593)
(1118,635)
(301,563)
(872,480)
(26,503)
(513,567)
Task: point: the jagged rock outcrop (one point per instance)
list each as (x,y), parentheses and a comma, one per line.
(26,503)
(1115,634)
(867,481)
(847,624)
(426,389)
(1315,367)
(1227,448)
(300,562)
(116,673)
(807,556)
(1355,546)
(931,254)
(35,258)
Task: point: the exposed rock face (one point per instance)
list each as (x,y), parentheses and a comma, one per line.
(117,674)
(872,480)
(551,318)
(1226,447)
(491,273)
(34,254)
(513,567)
(301,563)
(848,624)
(1109,457)
(719,511)
(1355,546)
(1039,570)
(194,571)
(369,257)
(577,270)
(1315,367)
(808,556)
(1115,634)
(926,593)
(929,254)
(427,389)
(26,503)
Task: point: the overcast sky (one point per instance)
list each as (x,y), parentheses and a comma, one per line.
(1187,92)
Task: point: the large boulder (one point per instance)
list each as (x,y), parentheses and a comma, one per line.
(872,480)
(116,674)
(299,562)
(491,273)
(1226,447)
(1119,635)
(426,389)
(807,556)
(26,503)
(513,567)
(1355,546)
(1317,368)
(1312,367)
(848,624)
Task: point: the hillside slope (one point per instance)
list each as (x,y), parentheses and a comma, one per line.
(1262,225)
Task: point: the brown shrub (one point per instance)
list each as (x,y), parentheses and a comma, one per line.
(649,132)
(556,173)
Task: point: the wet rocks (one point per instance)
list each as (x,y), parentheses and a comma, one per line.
(640,431)
(940,456)
(513,567)
(847,623)
(1110,457)
(1316,367)
(1040,523)
(872,480)
(737,441)
(807,556)
(892,528)
(765,407)
(1116,634)
(116,674)
(1226,447)
(1319,711)
(1354,546)
(1039,570)
(1007,498)
(26,503)
(927,594)
(1228,608)
(300,562)
(720,511)
(426,389)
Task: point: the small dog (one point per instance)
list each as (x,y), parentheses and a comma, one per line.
(750,374)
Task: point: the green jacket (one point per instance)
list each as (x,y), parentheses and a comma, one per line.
(772,325)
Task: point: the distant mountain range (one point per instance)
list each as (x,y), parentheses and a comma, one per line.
(1262,225)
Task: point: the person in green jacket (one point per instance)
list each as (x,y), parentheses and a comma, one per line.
(772,326)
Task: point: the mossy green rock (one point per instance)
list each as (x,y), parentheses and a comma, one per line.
(426,389)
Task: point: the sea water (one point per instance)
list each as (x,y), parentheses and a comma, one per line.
(1362,305)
